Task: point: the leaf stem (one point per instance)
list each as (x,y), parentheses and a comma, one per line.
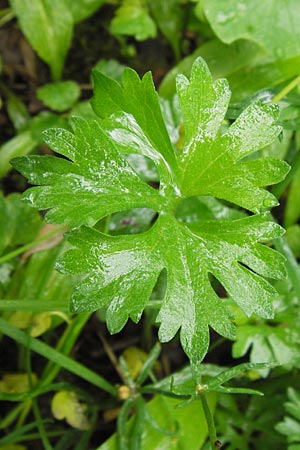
(286,90)
(209,420)
(26,247)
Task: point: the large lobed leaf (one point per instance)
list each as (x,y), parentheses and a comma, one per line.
(95,180)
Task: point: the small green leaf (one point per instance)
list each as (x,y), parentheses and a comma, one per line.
(216,383)
(82,9)
(18,223)
(36,323)
(59,96)
(133,19)
(17,112)
(16,383)
(65,405)
(111,68)
(290,426)
(48,25)
(169,17)
(185,435)
(19,145)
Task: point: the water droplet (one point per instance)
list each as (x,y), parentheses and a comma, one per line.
(223,18)
(270,202)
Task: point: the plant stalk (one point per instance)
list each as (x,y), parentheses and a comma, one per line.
(286,90)
(210,421)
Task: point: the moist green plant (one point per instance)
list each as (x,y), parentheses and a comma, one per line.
(95,180)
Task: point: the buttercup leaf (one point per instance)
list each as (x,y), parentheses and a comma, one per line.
(120,272)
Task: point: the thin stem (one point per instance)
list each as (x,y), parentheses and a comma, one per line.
(106,224)
(113,359)
(24,413)
(286,90)
(210,421)
(154,304)
(26,247)
(216,344)
(12,415)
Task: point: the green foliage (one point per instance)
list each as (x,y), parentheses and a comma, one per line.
(132,18)
(290,426)
(59,96)
(169,18)
(48,26)
(234,19)
(96,180)
(66,405)
(28,139)
(81,9)
(274,340)
(165,203)
(18,223)
(40,20)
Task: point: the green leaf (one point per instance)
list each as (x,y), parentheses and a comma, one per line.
(65,405)
(290,426)
(242,62)
(19,224)
(169,17)
(234,19)
(17,112)
(215,384)
(111,68)
(59,96)
(275,340)
(48,25)
(82,9)
(293,239)
(27,140)
(19,145)
(62,178)
(292,210)
(132,19)
(167,416)
(120,272)
(223,60)
(16,382)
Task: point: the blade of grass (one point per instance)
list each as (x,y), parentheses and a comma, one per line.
(65,345)
(53,355)
(16,435)
(38,390)
(35,407)
(33,305)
